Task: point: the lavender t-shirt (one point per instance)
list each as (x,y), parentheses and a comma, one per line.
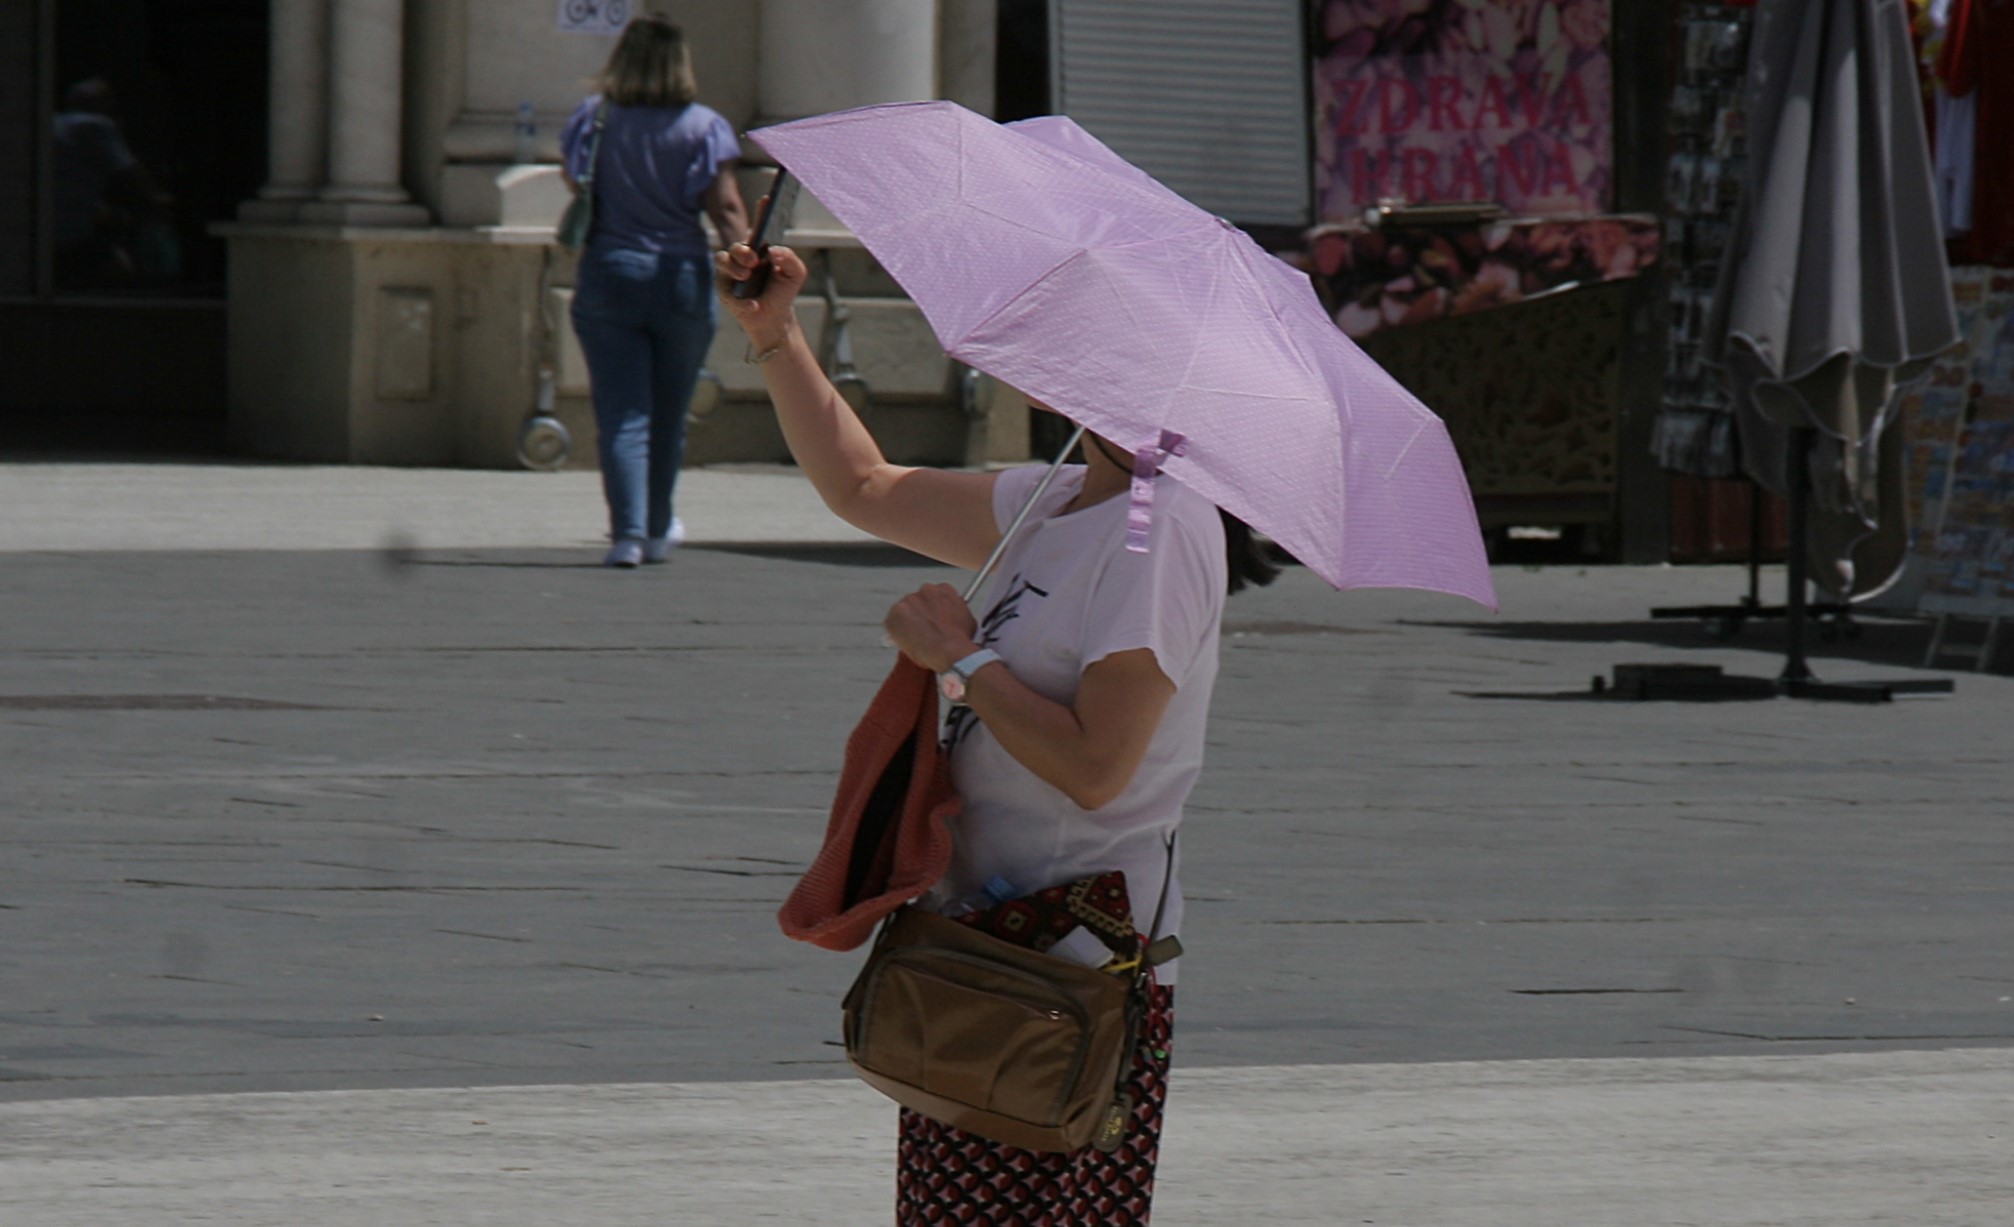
(652,173)
(1068,594)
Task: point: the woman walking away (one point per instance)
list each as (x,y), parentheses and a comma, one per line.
(1074,743)
(643,302)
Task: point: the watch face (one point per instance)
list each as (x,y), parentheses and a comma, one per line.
(951,686)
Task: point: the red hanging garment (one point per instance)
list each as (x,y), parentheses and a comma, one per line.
(887,840)
(1979,56)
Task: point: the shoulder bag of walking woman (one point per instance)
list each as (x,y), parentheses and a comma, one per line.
(579,216)
(1024,1048)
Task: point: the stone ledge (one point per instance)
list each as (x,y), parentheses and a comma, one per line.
(314,232)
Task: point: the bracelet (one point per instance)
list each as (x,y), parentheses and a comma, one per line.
(753,358)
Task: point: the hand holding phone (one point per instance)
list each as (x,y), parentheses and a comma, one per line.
(775,219)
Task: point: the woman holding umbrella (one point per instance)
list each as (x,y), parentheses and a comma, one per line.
(1081,700)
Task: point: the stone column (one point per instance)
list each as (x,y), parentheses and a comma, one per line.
(366,77)
(816,56)
(966,50)
(298,101)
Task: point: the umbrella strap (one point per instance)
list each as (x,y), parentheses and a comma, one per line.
(1147,462)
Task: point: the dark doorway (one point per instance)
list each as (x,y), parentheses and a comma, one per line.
(150,126)
(181,84)
(1021,60)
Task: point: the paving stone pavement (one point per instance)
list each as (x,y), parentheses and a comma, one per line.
(326,787)
(1918,1138)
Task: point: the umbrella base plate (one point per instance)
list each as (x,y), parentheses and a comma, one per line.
(1685,683)
(1709,683)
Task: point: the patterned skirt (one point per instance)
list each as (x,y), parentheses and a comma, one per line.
(945,1175)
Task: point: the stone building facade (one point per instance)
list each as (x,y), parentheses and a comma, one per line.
(394,291)
(326,230)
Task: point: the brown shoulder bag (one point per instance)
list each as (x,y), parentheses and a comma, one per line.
(1015,1045)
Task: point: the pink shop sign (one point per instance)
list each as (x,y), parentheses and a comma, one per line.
(1442,100)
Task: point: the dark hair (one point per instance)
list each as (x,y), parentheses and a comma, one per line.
(651,66)
(1247,558)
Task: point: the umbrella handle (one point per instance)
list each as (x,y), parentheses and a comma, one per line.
(1020,517)
(993,560)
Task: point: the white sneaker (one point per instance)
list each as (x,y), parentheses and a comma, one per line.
(658,549)
(626,552)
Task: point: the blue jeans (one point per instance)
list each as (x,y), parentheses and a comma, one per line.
(645,321)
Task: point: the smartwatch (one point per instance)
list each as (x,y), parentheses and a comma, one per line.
(953,682)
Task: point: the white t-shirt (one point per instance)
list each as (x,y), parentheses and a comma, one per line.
(1068,594)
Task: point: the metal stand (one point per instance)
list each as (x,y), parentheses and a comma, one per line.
(1726,621)
(1707,683)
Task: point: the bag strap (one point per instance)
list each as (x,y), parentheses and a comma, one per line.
(594,145)
(1155,949)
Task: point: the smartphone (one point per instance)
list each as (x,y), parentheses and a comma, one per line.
(774,221)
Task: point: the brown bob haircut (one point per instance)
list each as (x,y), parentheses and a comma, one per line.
(651,66)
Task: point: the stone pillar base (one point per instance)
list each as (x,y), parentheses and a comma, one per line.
(365,345)
(271,212)
(477,194)
(361,213)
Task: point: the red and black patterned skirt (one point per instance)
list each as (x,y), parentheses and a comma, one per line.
(945,1175)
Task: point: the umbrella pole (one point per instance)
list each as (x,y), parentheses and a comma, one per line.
(1754,600)
(1795,668)
(993,560)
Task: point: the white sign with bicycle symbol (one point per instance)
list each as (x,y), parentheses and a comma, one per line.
(593,16)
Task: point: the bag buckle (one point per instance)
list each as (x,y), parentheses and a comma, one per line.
(1113,1130)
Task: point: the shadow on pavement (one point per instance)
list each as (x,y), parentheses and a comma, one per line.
(1867,640)
(570,563)
(831,553)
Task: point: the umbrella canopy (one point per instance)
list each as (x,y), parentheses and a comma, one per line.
(1044,259)
(1834,290)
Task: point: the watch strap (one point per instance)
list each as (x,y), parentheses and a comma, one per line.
(952,682)
(974,663)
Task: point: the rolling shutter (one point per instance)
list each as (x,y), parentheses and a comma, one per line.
(1208,96)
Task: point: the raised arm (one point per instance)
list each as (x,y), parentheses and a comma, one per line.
(944,515)
(724,205)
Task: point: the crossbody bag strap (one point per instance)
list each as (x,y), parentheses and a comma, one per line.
(1155,950)
(594,145)
(1117,1115)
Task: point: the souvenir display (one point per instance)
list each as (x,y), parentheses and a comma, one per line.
(1695,433)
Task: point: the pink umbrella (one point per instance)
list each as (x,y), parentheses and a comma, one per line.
(1044,259)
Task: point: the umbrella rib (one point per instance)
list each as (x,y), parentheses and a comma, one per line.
(1216,278)
(1033,285)
(1151,240)
(1015,222)
(1393,468)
